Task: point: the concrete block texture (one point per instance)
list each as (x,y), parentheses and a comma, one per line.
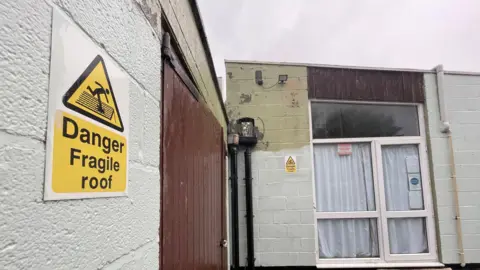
(110,233)
(283,211)
(283,202)
(137,112)
(25,52)
(462,110)
(280,110)
(76,234)
(121,28)
(151,131)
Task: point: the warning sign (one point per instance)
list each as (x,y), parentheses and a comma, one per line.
(87,138)
(87,157)
(290,164)
(92,95)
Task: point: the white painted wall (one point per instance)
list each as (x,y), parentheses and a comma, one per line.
(462,100)
(283,209)
(114,233)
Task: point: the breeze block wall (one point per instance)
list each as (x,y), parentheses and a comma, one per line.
(283,202)
(104,233)
(462,103)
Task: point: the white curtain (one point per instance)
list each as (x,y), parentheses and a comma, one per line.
(407,235)
(348,238)
(345,184)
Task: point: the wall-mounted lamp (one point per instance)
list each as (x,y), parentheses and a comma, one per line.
(282,78)
(258,77)
(246,129)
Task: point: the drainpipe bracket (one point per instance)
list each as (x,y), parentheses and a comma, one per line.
(445,127)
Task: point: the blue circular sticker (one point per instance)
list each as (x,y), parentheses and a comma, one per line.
(414,181)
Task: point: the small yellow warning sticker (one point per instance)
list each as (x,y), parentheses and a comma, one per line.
(290,164)
(92,95)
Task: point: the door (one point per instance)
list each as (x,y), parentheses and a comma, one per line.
(372,194)
(193,178)
(373,201)
(407,216)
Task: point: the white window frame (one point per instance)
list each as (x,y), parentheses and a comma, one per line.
(385,259)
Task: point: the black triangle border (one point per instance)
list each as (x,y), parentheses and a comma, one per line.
(77,84)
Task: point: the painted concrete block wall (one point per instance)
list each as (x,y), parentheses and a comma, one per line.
(462,100)
(440,173)
(113,233)
(283,203)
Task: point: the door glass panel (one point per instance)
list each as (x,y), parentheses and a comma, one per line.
(343,120)
(407,235)
(348,238)
(343,177)
(402,177)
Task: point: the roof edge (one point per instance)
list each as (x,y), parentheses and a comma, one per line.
(349,67)
(206,48)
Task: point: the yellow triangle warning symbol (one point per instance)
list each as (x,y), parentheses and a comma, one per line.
(290,165)
(290,161)
(92,95)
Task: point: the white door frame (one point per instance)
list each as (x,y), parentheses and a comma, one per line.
(385,259)
(426,213)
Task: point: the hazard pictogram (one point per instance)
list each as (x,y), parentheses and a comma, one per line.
(92,95)
(290,164)
(290,161)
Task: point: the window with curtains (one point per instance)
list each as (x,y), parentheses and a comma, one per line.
(369,182)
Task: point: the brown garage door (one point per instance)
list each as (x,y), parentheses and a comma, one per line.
(193,160)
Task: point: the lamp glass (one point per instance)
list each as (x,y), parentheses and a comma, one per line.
(246,129)
(282,78)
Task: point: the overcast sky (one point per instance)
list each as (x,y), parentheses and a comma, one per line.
(379,33)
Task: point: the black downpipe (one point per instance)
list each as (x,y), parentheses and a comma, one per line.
(234,206)
(249,208)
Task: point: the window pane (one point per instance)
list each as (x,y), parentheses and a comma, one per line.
(348,238)
(342,120)
(343,177)
(402,177)
(407,235)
